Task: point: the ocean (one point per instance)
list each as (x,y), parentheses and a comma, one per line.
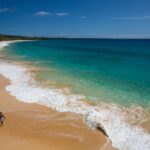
(105,80)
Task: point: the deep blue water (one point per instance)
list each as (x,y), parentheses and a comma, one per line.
(103,70)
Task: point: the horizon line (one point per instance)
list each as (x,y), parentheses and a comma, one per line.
(71,37)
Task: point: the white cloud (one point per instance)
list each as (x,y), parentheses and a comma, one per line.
(2,10)
(132,18)
(62,14)
(43,13)
(83,17)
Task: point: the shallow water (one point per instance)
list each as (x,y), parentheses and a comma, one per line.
(103,70)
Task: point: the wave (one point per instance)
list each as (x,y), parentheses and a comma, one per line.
(112,117)
(3,44)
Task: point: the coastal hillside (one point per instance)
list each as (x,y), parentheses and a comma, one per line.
(4,37)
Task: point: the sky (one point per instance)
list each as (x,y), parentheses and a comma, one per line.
(76,18)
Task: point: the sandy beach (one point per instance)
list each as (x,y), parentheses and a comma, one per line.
(31,126)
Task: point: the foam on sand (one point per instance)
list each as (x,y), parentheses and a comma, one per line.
(6,43)
(112,117)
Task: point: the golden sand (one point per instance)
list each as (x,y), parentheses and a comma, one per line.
(35,127)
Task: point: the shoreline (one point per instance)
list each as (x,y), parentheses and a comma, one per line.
(112,116)
(65,138)
(27,124)
(6,43)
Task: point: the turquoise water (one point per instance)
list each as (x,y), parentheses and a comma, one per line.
(116,71)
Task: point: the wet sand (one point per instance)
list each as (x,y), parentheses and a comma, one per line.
(35,127)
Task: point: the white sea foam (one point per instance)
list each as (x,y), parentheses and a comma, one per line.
(3,44)
(111,117)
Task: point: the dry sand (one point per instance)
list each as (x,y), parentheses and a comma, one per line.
(35,127)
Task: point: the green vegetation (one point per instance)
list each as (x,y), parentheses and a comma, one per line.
(12,37)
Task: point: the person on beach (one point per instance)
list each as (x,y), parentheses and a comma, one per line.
(2,118)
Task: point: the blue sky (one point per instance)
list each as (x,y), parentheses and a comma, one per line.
(76,18)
